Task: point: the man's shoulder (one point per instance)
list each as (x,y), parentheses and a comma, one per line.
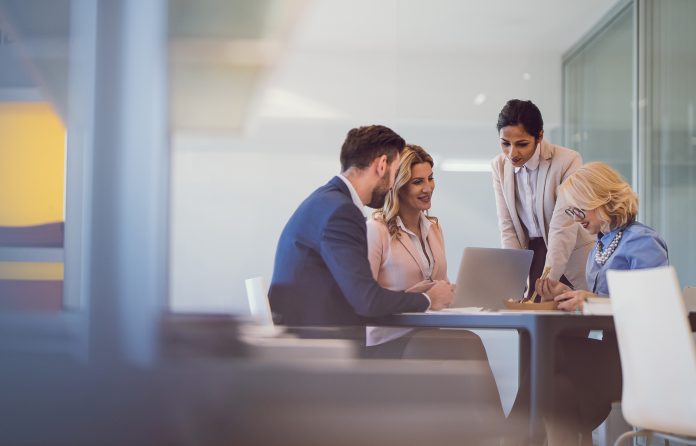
(329,197)
(328,202)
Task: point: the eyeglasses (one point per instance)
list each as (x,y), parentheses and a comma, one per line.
(575,213)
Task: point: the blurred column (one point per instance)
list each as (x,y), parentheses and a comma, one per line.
(130,183)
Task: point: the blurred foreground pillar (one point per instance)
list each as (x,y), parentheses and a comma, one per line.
(127,255)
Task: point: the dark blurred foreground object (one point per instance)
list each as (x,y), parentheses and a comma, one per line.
(31,295)
(245,402)
(186,337)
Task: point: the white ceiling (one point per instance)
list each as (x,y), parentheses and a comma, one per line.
(424,62)
(447,25)
(448,65)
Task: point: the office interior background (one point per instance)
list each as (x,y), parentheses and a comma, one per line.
(151,152)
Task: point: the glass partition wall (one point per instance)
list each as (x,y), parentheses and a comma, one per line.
(641,54)
(597,87)
(669,192)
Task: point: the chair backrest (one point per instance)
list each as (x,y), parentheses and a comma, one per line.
(658,355)
(257,296)
(690,298)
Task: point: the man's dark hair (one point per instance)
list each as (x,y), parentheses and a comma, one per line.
(364,144)
(521,112)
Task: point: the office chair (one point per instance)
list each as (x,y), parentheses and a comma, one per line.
(690,298)
(658,355)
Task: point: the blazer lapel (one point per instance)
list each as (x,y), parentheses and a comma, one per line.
(509,194)
(408,244)
(544,163)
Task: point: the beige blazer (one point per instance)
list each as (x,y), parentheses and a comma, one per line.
(396,265)
(567,242)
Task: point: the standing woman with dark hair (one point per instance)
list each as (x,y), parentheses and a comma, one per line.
(526,177)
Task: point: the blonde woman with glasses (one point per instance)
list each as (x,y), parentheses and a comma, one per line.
(588,371)
(606,206)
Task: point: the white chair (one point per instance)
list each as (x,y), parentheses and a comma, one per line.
(257,296)
(268,341)
(658,355)
(690,298)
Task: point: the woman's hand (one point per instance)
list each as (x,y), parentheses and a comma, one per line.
(572,300)
(548,289)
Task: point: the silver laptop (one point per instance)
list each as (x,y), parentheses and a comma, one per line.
(488,276)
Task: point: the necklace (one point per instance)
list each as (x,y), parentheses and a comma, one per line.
(602,255)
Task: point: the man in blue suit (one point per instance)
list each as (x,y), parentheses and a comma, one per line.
(322,275)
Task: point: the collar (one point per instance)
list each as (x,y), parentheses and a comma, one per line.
(425,224)
(533,162)
(353,193)
(609,236)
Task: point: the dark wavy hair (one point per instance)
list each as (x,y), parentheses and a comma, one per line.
(526,113)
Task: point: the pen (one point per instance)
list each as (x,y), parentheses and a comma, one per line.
(547,270)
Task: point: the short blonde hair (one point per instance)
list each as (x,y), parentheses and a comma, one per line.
(596,186)
(411,156)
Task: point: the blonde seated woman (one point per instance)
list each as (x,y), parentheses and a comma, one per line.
(606,206)
(588,371)
(406,250)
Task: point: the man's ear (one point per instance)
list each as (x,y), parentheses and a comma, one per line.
(381,165)
(541,135)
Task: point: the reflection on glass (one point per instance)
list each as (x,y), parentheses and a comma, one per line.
(671,189)
(598,96)
(33,107)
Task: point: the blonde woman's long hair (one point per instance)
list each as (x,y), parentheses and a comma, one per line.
(411,156)
(597,186)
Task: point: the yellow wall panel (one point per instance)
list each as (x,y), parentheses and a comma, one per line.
(32,164)
(31,271)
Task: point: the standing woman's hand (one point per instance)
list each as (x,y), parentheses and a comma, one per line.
(548,289)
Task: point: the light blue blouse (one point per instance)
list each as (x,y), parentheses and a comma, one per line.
(640,247)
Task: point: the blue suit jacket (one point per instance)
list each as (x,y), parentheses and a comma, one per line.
(322,275)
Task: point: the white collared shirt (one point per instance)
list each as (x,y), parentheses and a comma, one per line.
(426,257)
(353,194)
(526,184)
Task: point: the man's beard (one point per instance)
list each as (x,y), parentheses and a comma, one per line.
(379,193)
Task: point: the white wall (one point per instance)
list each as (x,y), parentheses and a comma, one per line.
(231,195)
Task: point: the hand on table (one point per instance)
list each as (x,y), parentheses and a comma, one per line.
(572,300)
(441,294)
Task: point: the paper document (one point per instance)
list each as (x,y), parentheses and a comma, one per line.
(597,306)
(462,310)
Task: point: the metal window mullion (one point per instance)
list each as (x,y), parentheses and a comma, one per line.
(642,147)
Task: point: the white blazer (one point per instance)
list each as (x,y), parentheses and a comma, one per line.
(567,242)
